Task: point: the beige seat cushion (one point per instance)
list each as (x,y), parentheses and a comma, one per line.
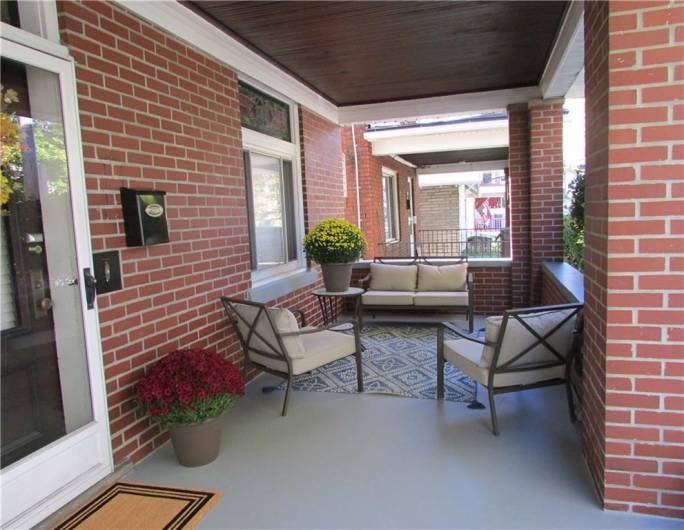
(320,349)
(393,277)
(517,338)
(284,321)
(466,356)
(442,278)
(387,298)
(434,298)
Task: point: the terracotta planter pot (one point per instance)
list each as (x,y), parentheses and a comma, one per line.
(197,444)
(336,276)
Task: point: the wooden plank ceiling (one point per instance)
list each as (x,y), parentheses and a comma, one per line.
(368,52)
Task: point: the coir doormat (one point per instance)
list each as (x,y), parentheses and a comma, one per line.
(138,506)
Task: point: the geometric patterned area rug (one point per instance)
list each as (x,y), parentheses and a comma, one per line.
(399,360)
(137,506)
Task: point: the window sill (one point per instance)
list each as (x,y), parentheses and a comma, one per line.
(280,286)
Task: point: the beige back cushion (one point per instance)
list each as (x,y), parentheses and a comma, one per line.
(444,278)
(393,277)
(518,338)
(284,321)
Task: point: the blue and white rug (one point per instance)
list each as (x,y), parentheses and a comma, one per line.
(399,359)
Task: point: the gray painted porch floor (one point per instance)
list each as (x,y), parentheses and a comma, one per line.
(371,461)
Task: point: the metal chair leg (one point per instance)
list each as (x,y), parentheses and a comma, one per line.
(470,321)
(359,371)
(571,401)
(287,395)
(440,362)
(492,411)
(359,359)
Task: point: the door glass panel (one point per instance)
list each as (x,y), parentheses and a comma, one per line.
(269,215)
(45,384)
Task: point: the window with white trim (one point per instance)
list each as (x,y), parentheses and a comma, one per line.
(390,208)
(273,187)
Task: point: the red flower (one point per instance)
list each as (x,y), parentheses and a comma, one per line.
(185,376)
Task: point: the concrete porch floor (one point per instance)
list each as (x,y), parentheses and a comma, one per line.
(372,461)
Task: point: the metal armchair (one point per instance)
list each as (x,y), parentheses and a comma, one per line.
(273,341)
(523,349)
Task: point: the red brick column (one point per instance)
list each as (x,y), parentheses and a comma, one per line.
(519,186)
(546,188)
(634,258)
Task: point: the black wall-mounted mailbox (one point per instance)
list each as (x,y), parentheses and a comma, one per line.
(144,217)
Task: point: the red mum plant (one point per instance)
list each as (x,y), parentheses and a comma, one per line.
(189,386)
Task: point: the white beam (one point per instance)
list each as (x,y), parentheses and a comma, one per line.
(462,167)
(453,141)
(494,100)
(566,60)
(199,33)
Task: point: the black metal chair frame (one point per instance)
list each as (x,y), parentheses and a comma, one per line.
(279,351)
(512,365)
(414,260)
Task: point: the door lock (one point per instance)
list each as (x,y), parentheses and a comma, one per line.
(35,249)
(90,284)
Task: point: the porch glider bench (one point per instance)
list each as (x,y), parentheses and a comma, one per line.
(418,284)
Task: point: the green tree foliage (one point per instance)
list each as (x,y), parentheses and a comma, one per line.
(573,224)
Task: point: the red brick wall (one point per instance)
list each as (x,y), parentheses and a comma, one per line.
(519,207)
(493,289)
(634,263)
(552,294)
(546,188)
(156,113)
(370,187)
(321,144)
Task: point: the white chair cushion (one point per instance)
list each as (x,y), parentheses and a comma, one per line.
(284,321)
(442,278)
(393,277)
(320,349)
(517,338)
(465,355)
(387,298)
(434,298)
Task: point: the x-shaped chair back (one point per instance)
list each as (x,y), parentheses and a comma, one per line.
(540,349)
(255,329)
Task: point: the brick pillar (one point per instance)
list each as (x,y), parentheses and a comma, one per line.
(634,257)
(519,186)
(546,188)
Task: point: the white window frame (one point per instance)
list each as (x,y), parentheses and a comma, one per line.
(256,142)
(392,176)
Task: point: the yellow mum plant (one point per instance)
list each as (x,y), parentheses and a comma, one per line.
(334,241)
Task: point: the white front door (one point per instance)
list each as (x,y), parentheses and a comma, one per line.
(55,436)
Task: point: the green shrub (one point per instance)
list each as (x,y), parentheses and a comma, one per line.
(334,241)
(573,224)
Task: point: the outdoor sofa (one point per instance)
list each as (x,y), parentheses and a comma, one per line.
(418,284)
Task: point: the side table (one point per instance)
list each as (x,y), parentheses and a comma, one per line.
(328,302)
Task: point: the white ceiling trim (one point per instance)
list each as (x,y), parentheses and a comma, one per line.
(462,167)
(493,100)
(423,130)
(453,141)
(192,28)
(566,60)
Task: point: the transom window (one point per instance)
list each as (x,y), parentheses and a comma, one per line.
(389,205)
(273,185)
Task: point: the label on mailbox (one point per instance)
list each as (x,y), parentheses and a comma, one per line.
(154,210)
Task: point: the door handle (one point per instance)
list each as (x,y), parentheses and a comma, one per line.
(90,284)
